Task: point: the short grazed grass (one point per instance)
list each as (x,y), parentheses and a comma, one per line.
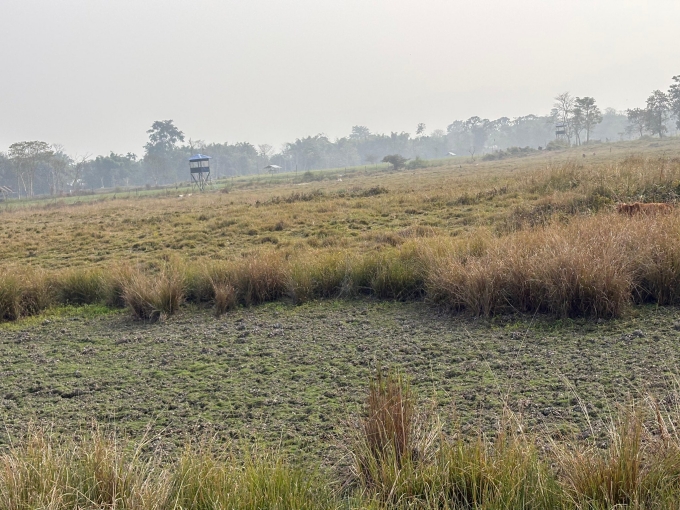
(292,375)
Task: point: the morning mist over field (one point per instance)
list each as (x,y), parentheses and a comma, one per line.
(93,76)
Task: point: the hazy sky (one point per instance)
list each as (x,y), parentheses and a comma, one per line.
(94,74)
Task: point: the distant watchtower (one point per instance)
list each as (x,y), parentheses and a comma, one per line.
(199,165)
(561,131)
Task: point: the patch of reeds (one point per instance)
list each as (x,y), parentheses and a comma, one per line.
(639,468)
(94,472)
(78,286)
(396,465)
(24,292)
(589,267)
(253,480)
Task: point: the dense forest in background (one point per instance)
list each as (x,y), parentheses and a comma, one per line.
(37,168)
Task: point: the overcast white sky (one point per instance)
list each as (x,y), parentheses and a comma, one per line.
(94,74)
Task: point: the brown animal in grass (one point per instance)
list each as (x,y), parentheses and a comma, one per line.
(642,208)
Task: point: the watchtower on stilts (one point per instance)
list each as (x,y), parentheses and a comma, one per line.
(199,165)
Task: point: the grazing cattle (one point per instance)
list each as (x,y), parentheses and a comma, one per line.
(642,208)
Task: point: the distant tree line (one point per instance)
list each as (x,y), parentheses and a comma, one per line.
(36,167)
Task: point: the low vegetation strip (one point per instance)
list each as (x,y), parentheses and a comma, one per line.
(592,266)
(400,459)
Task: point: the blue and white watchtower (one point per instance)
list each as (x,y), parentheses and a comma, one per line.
(199,165)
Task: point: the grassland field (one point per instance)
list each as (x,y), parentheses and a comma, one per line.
(292,373)
(359,209)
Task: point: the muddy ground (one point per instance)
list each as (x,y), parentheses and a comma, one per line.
(294,376)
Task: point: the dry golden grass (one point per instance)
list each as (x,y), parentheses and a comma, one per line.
(534,234)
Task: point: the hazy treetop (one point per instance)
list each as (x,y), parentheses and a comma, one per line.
(93,75)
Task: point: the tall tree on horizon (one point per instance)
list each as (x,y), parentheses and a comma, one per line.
(674,97)
(590,114)
(637,118)
(163,139)
(26,156)
(658,109)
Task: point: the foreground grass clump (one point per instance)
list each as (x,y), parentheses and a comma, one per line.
(99,471)
(401,459)
(400,465)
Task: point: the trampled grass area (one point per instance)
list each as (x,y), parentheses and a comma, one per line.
(293,375)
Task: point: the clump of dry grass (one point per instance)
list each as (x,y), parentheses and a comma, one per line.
(24,292)
(10,296)
(98,471)
(78,286)
(152,296)
(102,471)
(403,460)
(203,478)
(589,267)
(640,468)
(388,425)
(260,279)
(225,297)
(323,274)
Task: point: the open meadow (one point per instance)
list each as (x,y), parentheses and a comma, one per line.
(537,330)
